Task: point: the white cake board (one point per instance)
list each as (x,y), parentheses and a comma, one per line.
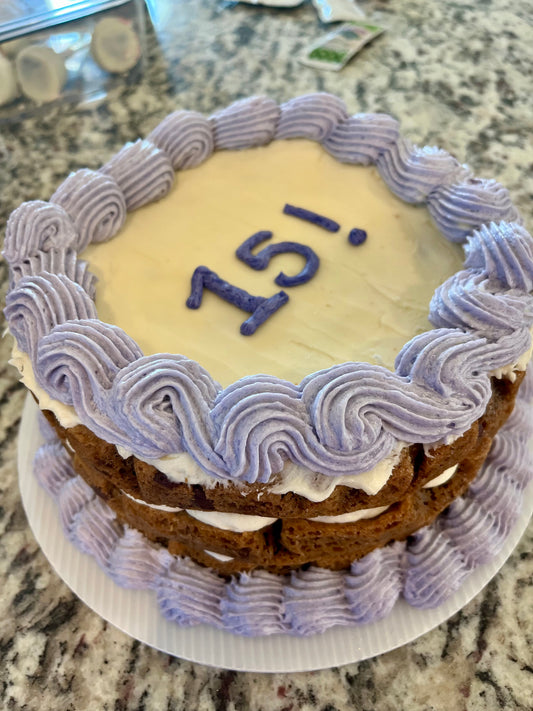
(136,612)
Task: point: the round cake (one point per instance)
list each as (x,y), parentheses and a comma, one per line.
(307,338)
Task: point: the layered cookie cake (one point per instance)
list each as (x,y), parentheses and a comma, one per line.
(276,344)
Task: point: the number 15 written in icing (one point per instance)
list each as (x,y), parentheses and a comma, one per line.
(260,307)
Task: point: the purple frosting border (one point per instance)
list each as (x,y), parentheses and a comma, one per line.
(425,570)
(333,422)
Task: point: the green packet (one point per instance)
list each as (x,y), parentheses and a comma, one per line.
(337,48)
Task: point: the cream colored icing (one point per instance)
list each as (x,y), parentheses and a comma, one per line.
(181,468)
(311,485)
(219,556)
(352,516)
(65,414)
(159,507)
(240,523)
(442,478)
(318,487)
(364,303)
(237,523)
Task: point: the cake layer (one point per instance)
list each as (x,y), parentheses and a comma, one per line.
(424,571)
(292,538)
(290,543)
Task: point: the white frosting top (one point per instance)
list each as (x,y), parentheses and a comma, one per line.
(364,303)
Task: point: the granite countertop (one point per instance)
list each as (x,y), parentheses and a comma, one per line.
(457,74)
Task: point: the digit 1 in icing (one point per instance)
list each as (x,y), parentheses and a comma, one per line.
(260,307)
(262,259)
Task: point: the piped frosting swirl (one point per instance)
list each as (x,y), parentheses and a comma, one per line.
(56,261)
(246,123)
(412,173)
(466,301)
(314,116)
(142,171)
(503,253)
(186,137)
(38,303)
(362,138)
(38,226)
(95,203)
(463,207)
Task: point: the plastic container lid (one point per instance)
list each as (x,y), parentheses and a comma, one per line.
(22,17)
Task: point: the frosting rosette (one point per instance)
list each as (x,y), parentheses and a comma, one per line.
(412,173)
(56,261)
(79,361)
(95,203)
(186,137)
(40,302)
(314,116)
(246,123)
(504,253)
(142,171)
(467,205)
(37,226)
(362,138)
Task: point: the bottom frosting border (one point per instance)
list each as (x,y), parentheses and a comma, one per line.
(425,571)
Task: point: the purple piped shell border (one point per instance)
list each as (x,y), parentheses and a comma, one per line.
(425,570)
(332,422)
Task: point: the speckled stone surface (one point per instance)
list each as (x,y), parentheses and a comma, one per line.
(457,74)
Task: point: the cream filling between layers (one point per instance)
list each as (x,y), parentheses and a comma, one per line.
(313,486)
(242,523)
(219,556)
(442,478)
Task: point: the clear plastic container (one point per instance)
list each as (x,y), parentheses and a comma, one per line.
(54,51)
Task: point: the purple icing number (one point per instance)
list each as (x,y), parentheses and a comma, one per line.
(313,217)
(259,307)
(262,259)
